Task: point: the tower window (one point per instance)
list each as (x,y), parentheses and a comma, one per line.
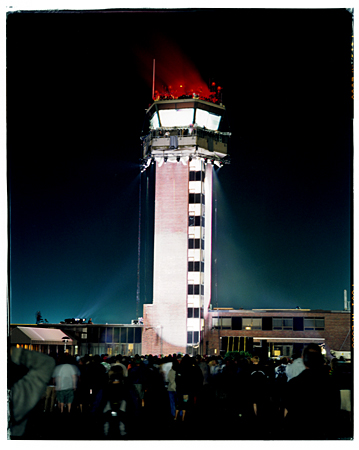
(194,243)
(193,289)
(196,175)
(192,337)
(195,221)
(189,337)
(193,266)
(196,198)
(193,313)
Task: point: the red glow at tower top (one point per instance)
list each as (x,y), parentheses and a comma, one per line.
(182,90)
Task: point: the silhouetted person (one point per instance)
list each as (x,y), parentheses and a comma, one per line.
(310,402)
(66,376)
(28,375)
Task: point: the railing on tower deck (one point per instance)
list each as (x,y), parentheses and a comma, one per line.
(186,136)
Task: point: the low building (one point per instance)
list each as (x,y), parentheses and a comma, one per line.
(266,332)
(85,338)
(276,332)
(43,340)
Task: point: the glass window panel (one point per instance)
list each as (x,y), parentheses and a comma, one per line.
(189,313)
(246,322)
(196,313)
(154,123)
(226,323)
(319,323)
(288,323)
(309,324)
(102,334)
(116,335)
(207,119)
(257,324)
(131,335)
(123,335)
(277,324)
(195,337)
(109,336)
(138,335)
(176,117)
(189,337)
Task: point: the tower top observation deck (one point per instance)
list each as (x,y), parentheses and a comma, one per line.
(185,128)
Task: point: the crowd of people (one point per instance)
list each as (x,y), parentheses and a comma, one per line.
(184,397)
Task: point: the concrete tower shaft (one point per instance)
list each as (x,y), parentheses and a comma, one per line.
(185,144)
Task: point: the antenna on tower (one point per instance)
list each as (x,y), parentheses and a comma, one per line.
(153,79)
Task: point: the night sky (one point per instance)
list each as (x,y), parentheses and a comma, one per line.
(78,84)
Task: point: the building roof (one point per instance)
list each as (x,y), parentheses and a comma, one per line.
(275,311)
(32,335)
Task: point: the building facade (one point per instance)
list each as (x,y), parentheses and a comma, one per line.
(185,144)
(84,338)
(272,332)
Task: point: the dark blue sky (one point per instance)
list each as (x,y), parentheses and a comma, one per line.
(77,89)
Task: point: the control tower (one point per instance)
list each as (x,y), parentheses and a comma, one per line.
(185,144)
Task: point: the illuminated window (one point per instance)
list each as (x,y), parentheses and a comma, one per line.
(176,117)
(207,119)
(224,323)
(251,323)
(154,123)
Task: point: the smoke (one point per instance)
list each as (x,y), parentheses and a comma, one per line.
(173,69)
